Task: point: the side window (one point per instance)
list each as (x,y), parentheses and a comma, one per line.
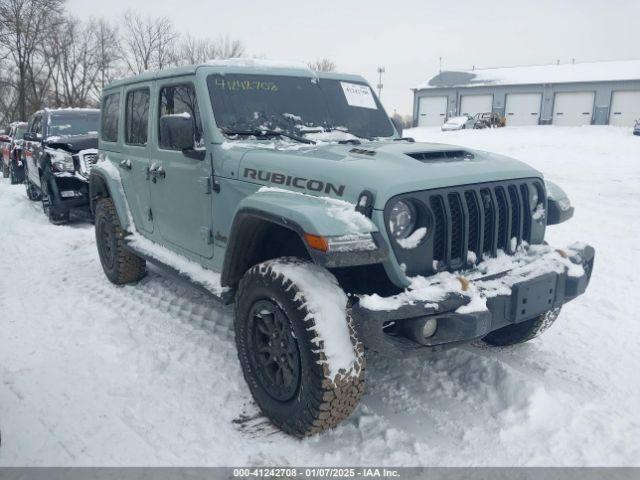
(180,100)
(137,117)
(36,127)
(110,114)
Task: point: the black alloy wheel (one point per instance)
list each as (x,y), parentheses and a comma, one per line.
(276,357)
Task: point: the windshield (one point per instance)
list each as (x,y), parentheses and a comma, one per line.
(77,123)
(20,132)
(299,106)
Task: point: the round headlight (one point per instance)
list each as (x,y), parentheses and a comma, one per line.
(402,219)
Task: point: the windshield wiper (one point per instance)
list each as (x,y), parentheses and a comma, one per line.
(260,132)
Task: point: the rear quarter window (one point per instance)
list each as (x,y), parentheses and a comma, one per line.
(110,115)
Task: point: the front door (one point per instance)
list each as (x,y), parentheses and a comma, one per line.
(180,185)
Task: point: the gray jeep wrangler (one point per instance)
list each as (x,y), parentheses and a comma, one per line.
(292,194)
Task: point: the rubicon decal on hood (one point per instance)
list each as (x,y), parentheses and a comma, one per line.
(296,182)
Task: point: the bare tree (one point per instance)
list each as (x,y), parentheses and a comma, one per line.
(322,65)
(194,50)
(74,60)
(108,43)
(24,25)
(148,42)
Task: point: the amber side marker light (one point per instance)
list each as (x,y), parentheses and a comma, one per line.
(317,242)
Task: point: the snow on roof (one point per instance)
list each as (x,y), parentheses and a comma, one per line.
(564,73)
(258,63)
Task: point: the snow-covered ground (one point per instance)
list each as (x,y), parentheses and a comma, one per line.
(93,374)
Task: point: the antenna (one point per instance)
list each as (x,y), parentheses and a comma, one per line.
(380,85)
(440,66)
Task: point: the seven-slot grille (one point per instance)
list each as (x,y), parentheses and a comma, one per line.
(481,218)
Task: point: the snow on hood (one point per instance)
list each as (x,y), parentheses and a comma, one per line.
(384,168)
(73,143)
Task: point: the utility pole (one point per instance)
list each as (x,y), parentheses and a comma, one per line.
(380,72)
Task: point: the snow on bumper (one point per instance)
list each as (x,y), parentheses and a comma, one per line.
(468,305)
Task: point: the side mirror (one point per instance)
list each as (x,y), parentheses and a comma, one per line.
(398,124)
(176,132)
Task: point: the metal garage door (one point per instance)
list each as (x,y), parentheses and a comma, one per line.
(625,108)
(472,104)
(523,108)
(573,108)
(432,111)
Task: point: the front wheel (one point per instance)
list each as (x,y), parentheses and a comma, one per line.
(119,264)
(55,215)
(523,331)
(288,360)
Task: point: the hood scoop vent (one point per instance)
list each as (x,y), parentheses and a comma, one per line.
(442,156)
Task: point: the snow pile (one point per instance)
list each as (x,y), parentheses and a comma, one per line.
(529,261)
(413,240)
(341,210)
(196,272)
(148,374)
(327,302)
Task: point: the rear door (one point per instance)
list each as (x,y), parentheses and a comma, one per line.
(432,111)
(573,108)
(134,161)
(180,186)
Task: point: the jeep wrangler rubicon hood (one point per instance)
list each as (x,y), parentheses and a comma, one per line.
(384,168)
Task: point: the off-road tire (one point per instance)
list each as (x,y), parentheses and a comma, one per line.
(319,402)
(32,193)
(120,265)
(55,215)
(522,332)
(13,175)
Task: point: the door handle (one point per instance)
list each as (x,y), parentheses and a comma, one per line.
(125,164)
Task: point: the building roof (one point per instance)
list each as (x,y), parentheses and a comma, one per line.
(537,74)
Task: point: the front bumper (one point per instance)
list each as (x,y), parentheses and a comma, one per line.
(521,294)
(70,190)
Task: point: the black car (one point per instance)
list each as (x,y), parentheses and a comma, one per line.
(60,147)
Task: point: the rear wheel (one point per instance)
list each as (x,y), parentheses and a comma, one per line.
(120,265)
(523,331)
(282,358)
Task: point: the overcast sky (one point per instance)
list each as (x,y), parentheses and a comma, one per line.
(406,37)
